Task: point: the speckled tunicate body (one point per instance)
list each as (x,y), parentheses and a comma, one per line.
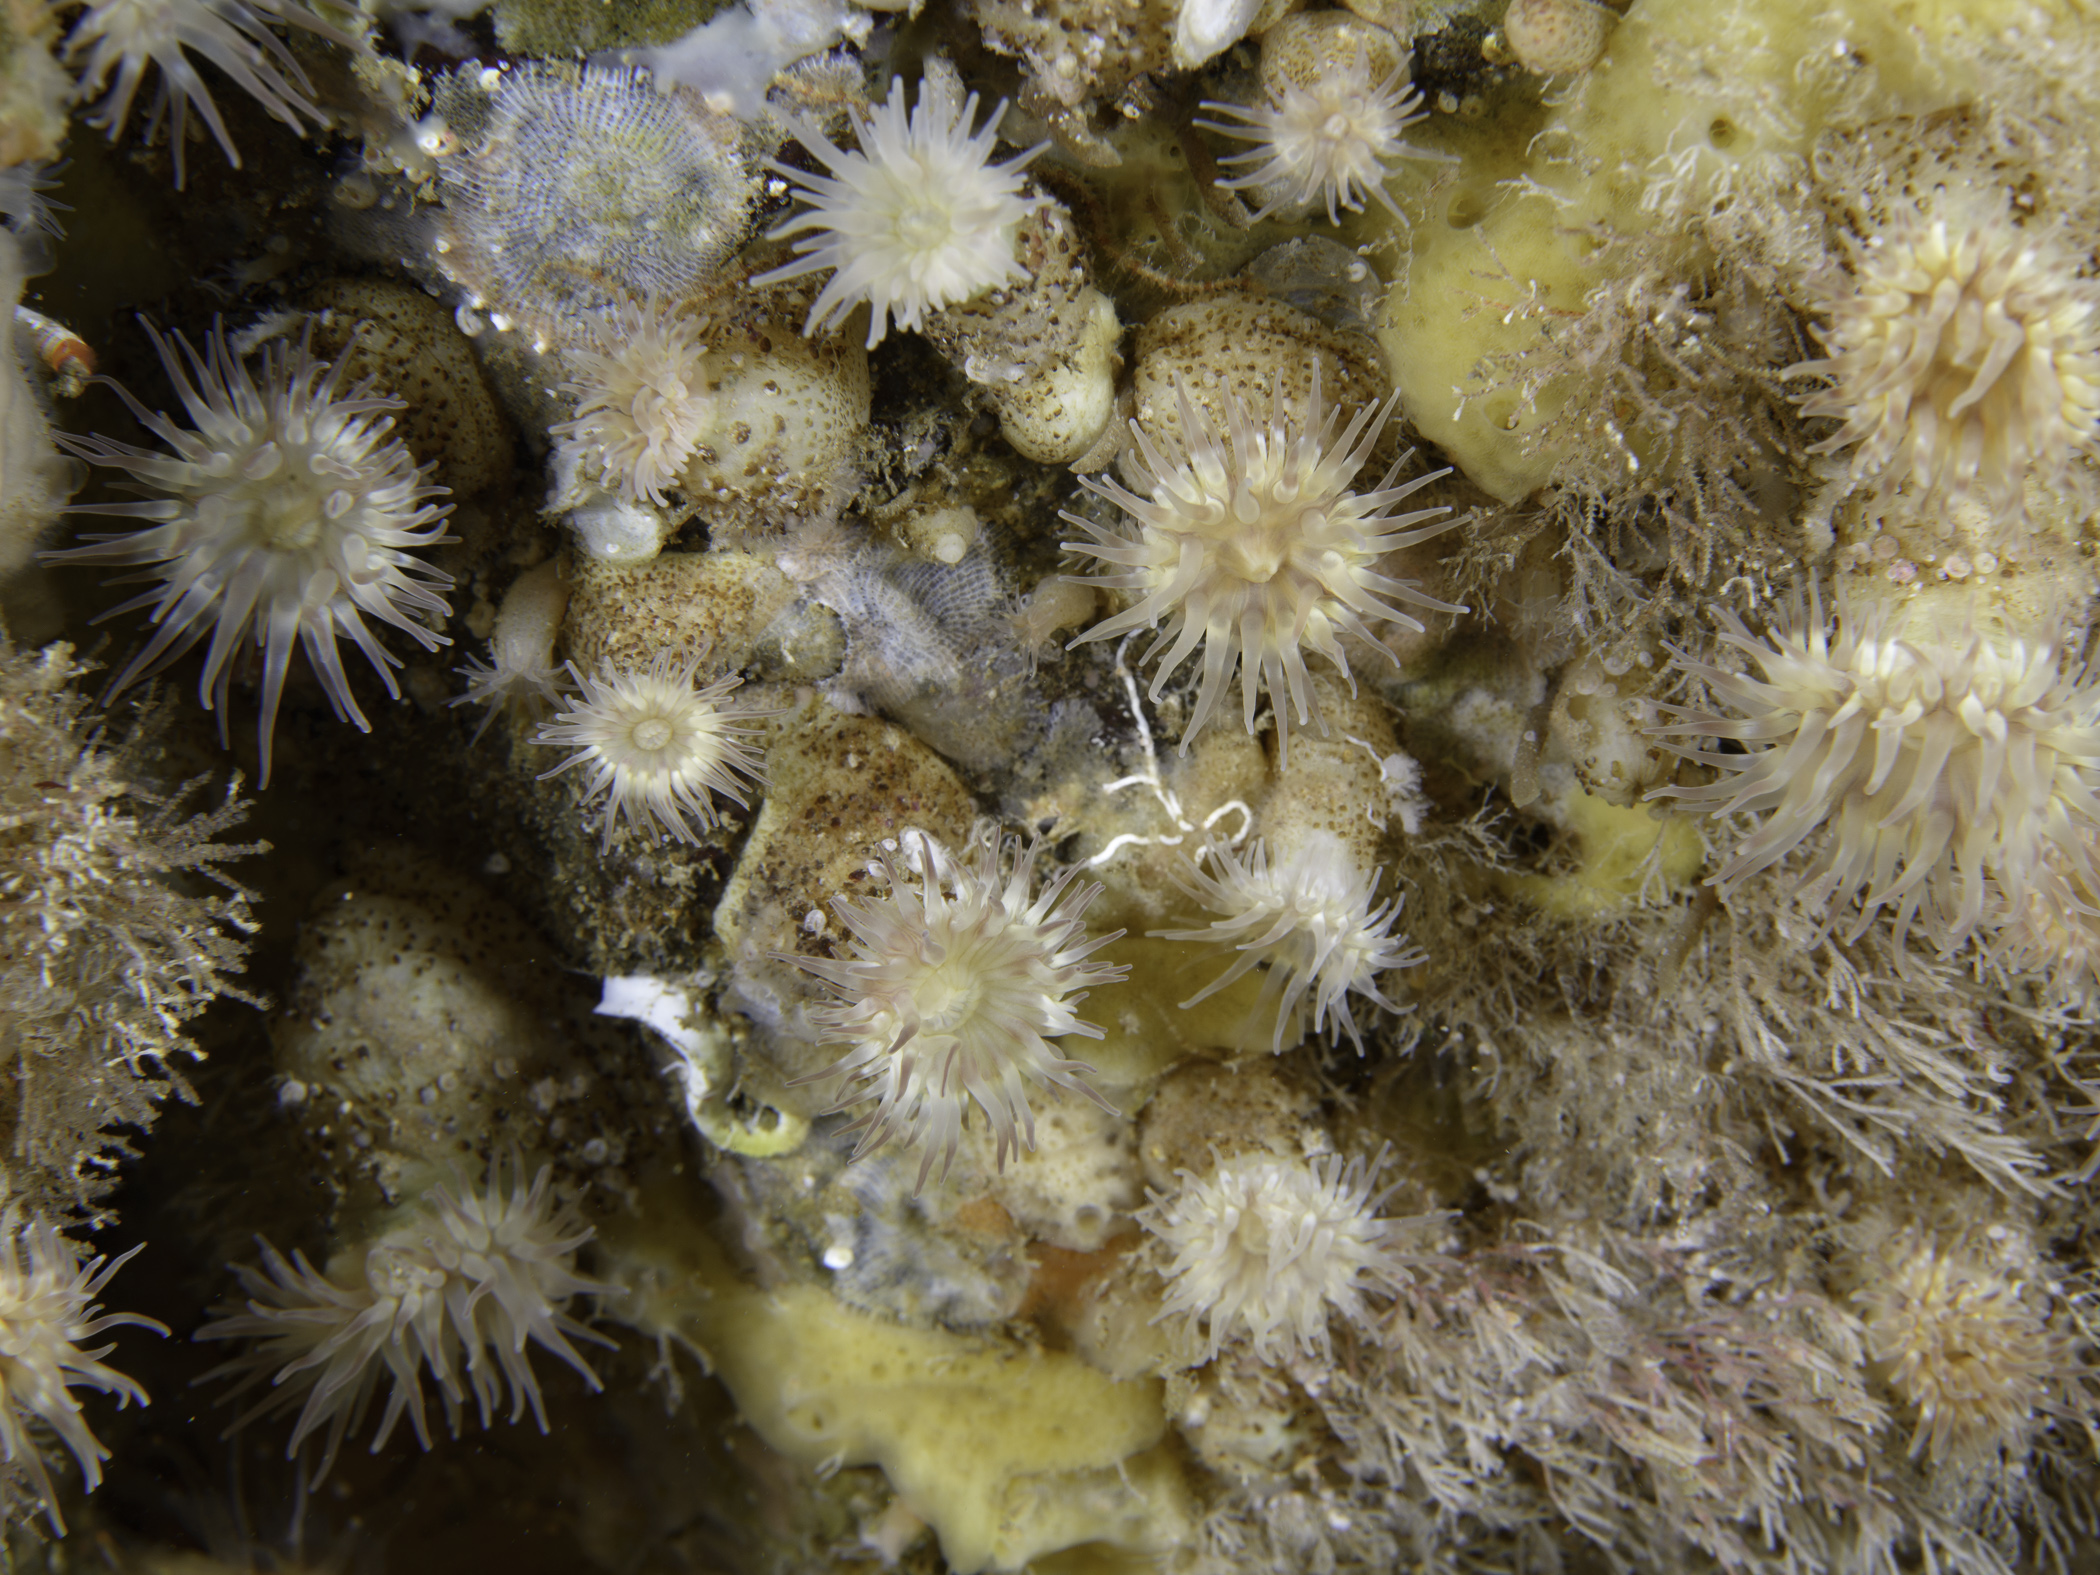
(576,190)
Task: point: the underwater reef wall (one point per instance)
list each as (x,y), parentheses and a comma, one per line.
(1050,785)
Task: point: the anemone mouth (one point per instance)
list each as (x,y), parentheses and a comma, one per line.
(917,218)
(657,747)
(1335,142)
(1270,1251)
(1962,358)
(957,984)
(287,514)
(1252,546)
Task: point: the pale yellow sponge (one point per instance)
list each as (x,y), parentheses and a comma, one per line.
(1689,100)
(1009,1453)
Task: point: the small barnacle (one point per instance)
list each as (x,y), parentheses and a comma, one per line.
(917,219)
(47,1312)
(641,398)
(125,37)
(955,988)
(1947,755)
(1306,918)
(1252,545)
(1270,1250)
(1964,354)
(583,191)
(520,671)
(288,509)
(656,746)
(459,1287)
(1328,130)
(1963,1341)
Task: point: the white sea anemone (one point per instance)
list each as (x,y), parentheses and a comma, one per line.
(641,400)
(1963,1341)
(1271,1250)
(1305,918)
(1964,354)
(1946,758)
(123,38)
(1332,140)
(956,986)
(1252,545)
(458,1288)
(520,672)
(918,219)
(288,511)
(47,1312)
(657,747)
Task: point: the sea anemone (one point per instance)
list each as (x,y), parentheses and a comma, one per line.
(1306,919)
(916,220)
(1963,1342)
(124,37)
(1964,355)
(657,746)
(520,672)
(641,400)
(458,1287)
(1270,1250)
(288,510)
(1252,546)
(955,988)
(1332,139)
(47,1310)
(1946,757)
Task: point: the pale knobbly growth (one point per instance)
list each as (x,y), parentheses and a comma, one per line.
(918,218)
(958,980)
(1305,916)
(1252,545)
(116,928)
(287,513)
(456,1288)
(658,748)
(1963,356)
(125,39)
(1271,1251)
(1946,768)
(47,1312)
